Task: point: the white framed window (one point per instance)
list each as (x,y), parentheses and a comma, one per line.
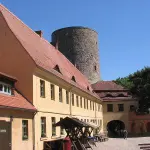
(5,88)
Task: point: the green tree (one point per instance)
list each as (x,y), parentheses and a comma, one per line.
(125,82)
(139,84)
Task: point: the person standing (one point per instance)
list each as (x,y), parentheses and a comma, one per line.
(125,132)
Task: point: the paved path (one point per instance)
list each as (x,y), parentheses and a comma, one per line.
(122,144)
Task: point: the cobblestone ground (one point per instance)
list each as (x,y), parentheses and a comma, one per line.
(122,144)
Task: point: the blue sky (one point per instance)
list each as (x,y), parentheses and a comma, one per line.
(123,28)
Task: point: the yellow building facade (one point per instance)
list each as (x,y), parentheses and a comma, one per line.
(58,101)
(16,131)
(115,114)
(117,104)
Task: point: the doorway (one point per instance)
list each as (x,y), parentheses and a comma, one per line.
(114,127)
(5,135)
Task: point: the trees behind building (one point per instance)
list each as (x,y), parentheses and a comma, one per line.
(138,84)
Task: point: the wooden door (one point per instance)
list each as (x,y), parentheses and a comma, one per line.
(5,135)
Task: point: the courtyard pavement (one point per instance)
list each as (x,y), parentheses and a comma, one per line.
(122,144)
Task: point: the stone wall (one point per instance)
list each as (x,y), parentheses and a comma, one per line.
(80,46)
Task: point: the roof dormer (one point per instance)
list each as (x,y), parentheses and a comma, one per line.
(57,69)
(7,84)
(73,78)
(5,88)
(88,88)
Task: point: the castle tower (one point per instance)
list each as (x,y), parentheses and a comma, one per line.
(80,46)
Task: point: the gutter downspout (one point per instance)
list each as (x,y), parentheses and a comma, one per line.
(33,128)
(95,112)
(70,102)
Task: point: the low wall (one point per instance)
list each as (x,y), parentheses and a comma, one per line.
(139,124)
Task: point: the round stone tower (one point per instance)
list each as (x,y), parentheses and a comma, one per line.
(80,46)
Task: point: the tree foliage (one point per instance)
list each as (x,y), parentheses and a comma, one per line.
(125,82)
(139,84)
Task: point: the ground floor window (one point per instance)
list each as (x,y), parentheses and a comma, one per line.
(43,126)
(53,126)
(24,129)
(61,128)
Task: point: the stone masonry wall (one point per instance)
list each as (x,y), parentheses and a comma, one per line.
(80,46)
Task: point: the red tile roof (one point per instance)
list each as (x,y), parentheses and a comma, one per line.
(44,54)
(16,101)
(107,86)
(110,91)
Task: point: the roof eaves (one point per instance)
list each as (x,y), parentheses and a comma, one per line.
(8,76)
(71,82)
(118,99)
(17,108)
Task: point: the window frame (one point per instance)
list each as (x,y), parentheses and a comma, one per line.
(90,105)
(52,86)
(93,106)
(72,98)
(84,103)
(53,122)
(77,100)
(87,106)
(67,97)
(99,107)
(43,127)
(60,95)
(42,88)
(81,102)
(108,108)
(8,87)
(120,107)
(25,130)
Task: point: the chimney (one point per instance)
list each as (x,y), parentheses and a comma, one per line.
(40,33)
